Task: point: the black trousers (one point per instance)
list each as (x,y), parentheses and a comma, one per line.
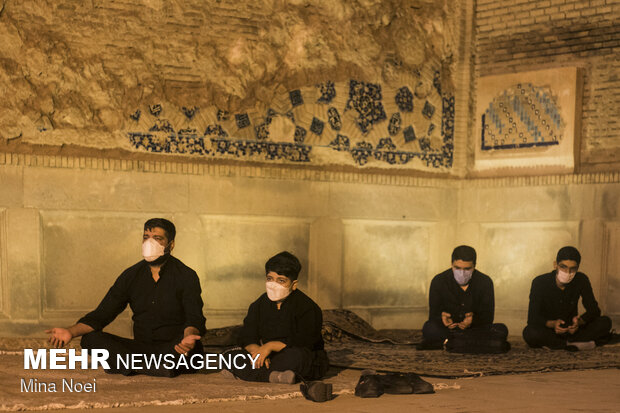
(435,333)
(123,346)
(311,365)
(539,336)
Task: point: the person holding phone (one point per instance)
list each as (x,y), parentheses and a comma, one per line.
(553,320)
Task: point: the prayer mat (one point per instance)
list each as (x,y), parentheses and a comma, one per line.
(352,343)
(440,363)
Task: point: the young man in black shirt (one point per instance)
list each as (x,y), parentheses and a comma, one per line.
(164,295)
(461,300)
(553,319)
(283,328)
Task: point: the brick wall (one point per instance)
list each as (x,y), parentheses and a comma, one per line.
(520,35)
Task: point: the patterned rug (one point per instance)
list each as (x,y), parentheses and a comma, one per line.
(353,343)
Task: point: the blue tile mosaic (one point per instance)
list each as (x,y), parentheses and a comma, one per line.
(340,143)
(300,134)
(425,143)
(215,130)
(296,98)
(429,110)
(334,118)
(271,150)
(161,125)
(523,116)
(189,112)
(386,144)
(394,125)
(155,109)
(222,115)
(404,99)
(261,132)
(365,99)
(270,114)
(365,102)
(409,134)
(291,116)
(243,120)
(437,81)
(136,115)
(317,126)
(328,92)
(361,152)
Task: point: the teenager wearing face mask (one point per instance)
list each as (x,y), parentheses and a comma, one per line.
(164,295)
(460,299)
(283,329)
(553,320)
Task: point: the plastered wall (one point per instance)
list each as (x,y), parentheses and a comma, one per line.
(74,193)
(370,243)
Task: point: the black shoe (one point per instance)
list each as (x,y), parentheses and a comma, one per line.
(429,345)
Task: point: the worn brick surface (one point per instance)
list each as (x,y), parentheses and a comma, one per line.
(518,35)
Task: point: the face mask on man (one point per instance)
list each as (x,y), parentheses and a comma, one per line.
(565,276)
(461,276)
(152,250)
(276,292)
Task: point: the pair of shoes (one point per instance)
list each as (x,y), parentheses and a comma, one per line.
(282,377)
(429,345)
(580,345)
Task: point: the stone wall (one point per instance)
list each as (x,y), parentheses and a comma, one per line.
(371,243)
(314,81)
(522,35)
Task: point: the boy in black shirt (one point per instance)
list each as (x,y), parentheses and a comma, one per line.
(283,327)
(553,319)
(461,301)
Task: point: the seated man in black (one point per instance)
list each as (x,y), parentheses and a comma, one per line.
(462,300)
(553,319)
(283,328)
(164,295)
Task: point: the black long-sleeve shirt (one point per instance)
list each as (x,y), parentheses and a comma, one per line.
(297,323)
(161,310)
(549,302)
(446,295)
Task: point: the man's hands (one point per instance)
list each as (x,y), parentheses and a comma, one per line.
(190,336)
(187,344)
(59,337)
(466,323)
(264,351)
(446,318)
(556,325)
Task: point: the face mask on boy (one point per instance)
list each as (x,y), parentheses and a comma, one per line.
(276,292)
(462,276)
(565,276)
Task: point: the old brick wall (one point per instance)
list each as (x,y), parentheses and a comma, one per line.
(521,35)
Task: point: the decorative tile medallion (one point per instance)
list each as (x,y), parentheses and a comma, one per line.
(296,98)
(365,99)
(243,120)
(404,99)
(328,92)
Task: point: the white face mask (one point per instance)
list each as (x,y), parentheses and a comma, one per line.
(565,277)
(276,292)
(462,276)
(151,249)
